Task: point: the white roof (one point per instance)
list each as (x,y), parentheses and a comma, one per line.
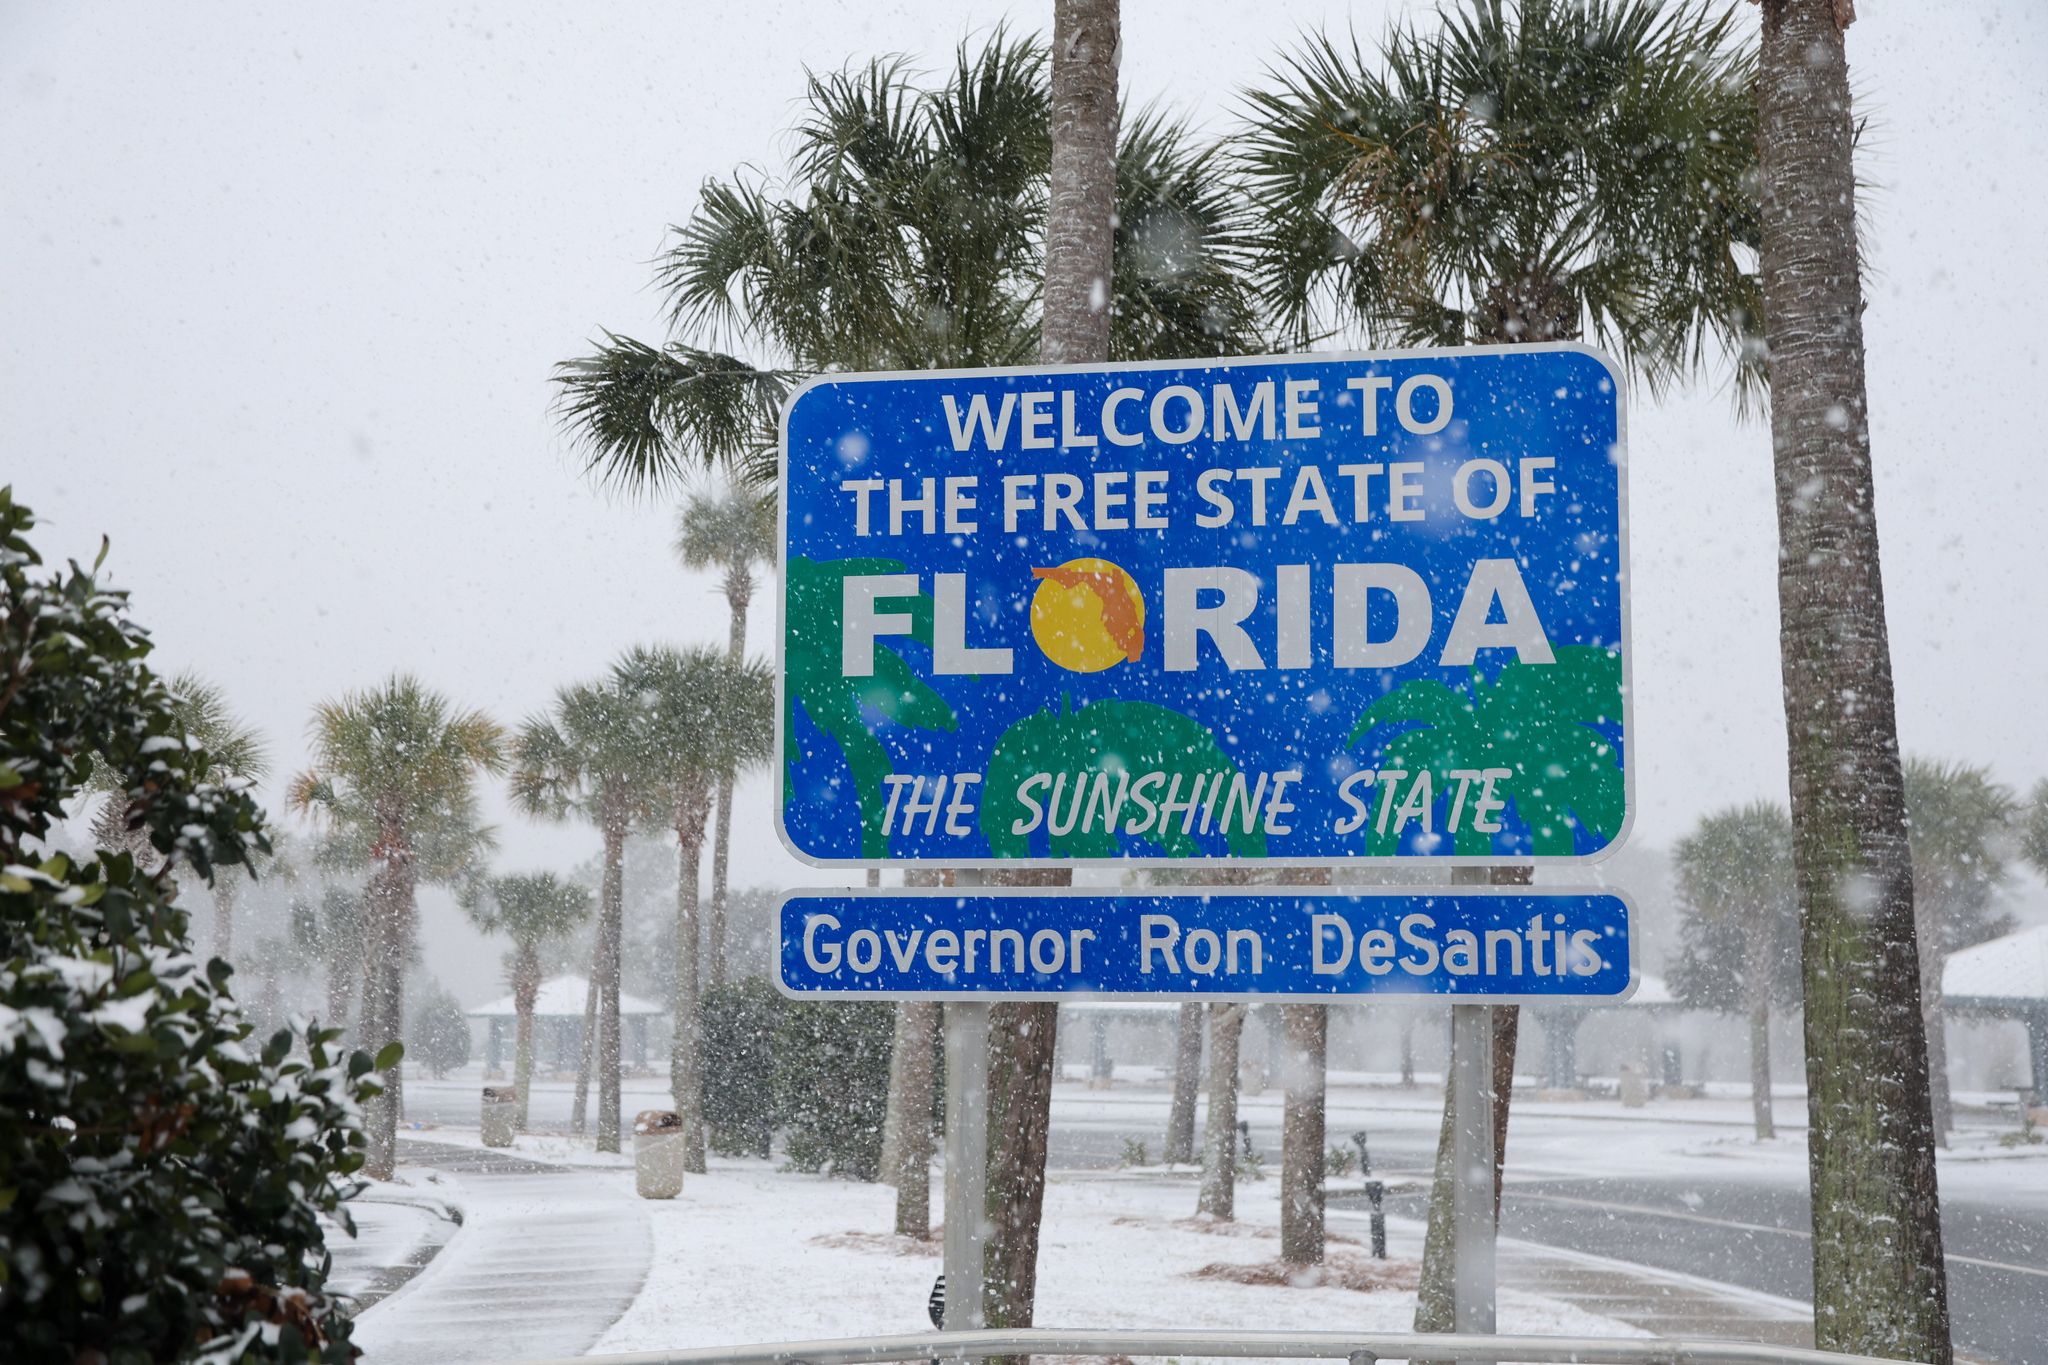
(1651,990)
(2011,968)
(562,997)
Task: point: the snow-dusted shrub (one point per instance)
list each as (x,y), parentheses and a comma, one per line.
(832,1084)
(160,1173)
(736,1036)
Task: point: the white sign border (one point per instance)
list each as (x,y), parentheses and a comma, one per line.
(983,893)
(1620,457)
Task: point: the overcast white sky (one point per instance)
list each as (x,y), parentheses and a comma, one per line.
(280,287)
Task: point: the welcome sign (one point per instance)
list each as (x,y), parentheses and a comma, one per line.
(1280,610)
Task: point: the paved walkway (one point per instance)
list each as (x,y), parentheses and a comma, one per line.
(541,1266)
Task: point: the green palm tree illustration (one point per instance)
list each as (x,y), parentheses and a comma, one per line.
(1539,721)
(839,705)
(1104,737)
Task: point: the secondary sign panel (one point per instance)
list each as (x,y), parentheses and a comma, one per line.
(1488,944)
(1285,610)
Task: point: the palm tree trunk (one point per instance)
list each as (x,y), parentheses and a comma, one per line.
(912,1174)
(388,902)
(586,1047)
(1757,944)
(892,1112)
(1187,1079)
(685,1061)
(1928,930)
(1075,328)
(739,591)
(1079,226)
(612,913)
(341,989)
(525,989)
(1879,1282)
(1941,1107)
(1302,1149)
(1021,1042)
(224,893)
(1218,1195)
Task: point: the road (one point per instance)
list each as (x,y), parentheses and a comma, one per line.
(1717,1221)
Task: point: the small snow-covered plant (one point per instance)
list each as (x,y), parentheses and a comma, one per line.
(1339,1162)
(1135,1153)
(161,1174)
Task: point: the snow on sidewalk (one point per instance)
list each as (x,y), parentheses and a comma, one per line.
(546,1260)
(750,1254)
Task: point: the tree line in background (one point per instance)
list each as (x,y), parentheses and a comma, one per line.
(1739,922)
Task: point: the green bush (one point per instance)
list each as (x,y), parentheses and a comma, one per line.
(161,1176)
(832,1084)
(740,1020)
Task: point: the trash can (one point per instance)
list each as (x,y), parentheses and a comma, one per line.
(658,1152)
(501,1115)
(1634,1087)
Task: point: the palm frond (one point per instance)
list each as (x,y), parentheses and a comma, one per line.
(1517,171)
(647,418)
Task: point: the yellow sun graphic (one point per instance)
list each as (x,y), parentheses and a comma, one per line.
(1087,615)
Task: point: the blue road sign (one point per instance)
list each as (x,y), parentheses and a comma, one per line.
(1283,610)
(1495,945)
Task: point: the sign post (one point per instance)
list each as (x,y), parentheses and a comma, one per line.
(1282,611)
(966,1024)
(966,1034)
(1472,1218)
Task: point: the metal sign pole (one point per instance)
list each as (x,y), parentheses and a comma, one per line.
(966,1025)
(1472,1221)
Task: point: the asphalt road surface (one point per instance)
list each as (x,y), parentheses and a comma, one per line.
(1748,1232)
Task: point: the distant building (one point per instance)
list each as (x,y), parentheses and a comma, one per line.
(2005,979)
(558,1027)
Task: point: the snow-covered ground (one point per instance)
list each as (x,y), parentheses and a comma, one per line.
(1668,1217)
(569,1261)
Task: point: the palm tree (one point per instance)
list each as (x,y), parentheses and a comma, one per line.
(1735,884)
(591,757)
(910,235)
(708,717)
(2032,821)
(1542,170)
(529,909)
(393,777)
(877,252)
(235,752)
(1529,172)
(1103,737)
(1958,819)
(331,932)
(731,533)
(1880,1283)
(1567,769)
(819,695)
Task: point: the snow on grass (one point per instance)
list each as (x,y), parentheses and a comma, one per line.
(752,1254)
